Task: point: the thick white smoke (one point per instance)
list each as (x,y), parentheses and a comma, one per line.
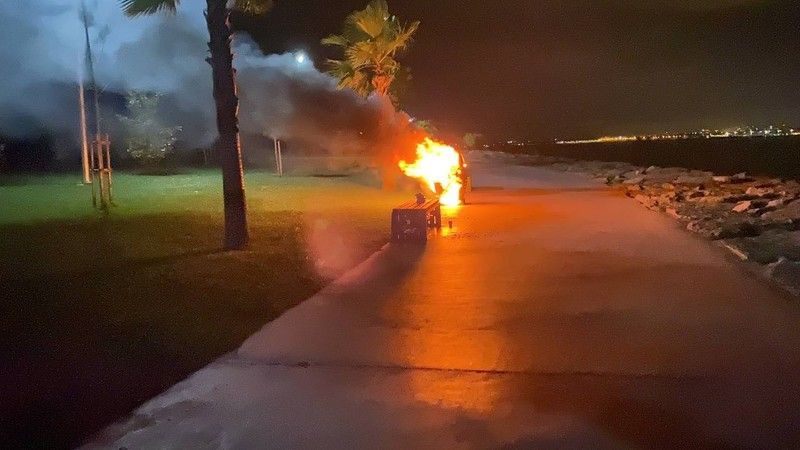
(42,56)
(166,53)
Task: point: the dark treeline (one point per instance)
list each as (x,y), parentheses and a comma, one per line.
(41,155)
(27,155)
(776,156)
(52,153)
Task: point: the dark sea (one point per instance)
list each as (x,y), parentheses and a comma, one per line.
(774,156)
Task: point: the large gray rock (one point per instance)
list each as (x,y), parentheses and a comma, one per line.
(786,273)
(710,206)
(696,193)
(635,180)
(709,199)
(734,196)
(740,178)
(723,228)
(721,179)
(695,178)
(704,227)
(631,173)
(762,192)
(664,175)
(790,212)
(770,246)
(742,206)
(792,188)
(777,203)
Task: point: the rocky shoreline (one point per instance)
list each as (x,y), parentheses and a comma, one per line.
(756,218)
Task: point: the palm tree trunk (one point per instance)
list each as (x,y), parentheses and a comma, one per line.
(227,103)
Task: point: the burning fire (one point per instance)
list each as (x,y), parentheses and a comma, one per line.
(439,166)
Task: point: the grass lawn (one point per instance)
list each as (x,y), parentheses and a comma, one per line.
(101,313)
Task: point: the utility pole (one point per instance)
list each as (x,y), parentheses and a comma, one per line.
(100,154)
(278,156)
(90,69)
(86,165)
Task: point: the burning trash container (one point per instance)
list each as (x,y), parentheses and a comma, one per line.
(442,169)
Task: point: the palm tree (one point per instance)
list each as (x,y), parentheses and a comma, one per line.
(370,40)
(227,103)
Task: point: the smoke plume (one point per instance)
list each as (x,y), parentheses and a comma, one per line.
(166,53)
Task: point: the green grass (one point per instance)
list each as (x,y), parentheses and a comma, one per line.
(100,313)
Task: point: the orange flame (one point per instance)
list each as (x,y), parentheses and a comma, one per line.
(439,166)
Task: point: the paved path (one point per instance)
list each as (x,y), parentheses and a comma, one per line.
(555,314)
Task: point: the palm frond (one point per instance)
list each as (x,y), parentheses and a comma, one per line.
(353,33)
(339,69)
(336,40)
(363,54)
(402,37)
(359,82)
(348,77)
(372,19)
(145,7)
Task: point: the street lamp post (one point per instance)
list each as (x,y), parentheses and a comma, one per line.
(300,57)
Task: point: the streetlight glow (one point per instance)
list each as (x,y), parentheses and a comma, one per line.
(300,57)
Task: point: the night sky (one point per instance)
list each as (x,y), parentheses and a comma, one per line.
(544,69)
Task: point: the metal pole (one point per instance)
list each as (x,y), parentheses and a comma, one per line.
(102,172)
(280,159)
(90,69)
(87,170)
(277,159)
(94,169)
(108,168)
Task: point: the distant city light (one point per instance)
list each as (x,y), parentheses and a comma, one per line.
(300,57)
(740,132)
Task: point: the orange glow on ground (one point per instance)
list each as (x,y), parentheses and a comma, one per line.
(436,164)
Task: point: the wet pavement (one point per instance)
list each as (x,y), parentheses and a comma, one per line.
(553,314)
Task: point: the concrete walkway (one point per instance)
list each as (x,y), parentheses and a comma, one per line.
(555,314)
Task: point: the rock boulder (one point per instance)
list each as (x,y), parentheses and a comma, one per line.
(790,212)
(786,273)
